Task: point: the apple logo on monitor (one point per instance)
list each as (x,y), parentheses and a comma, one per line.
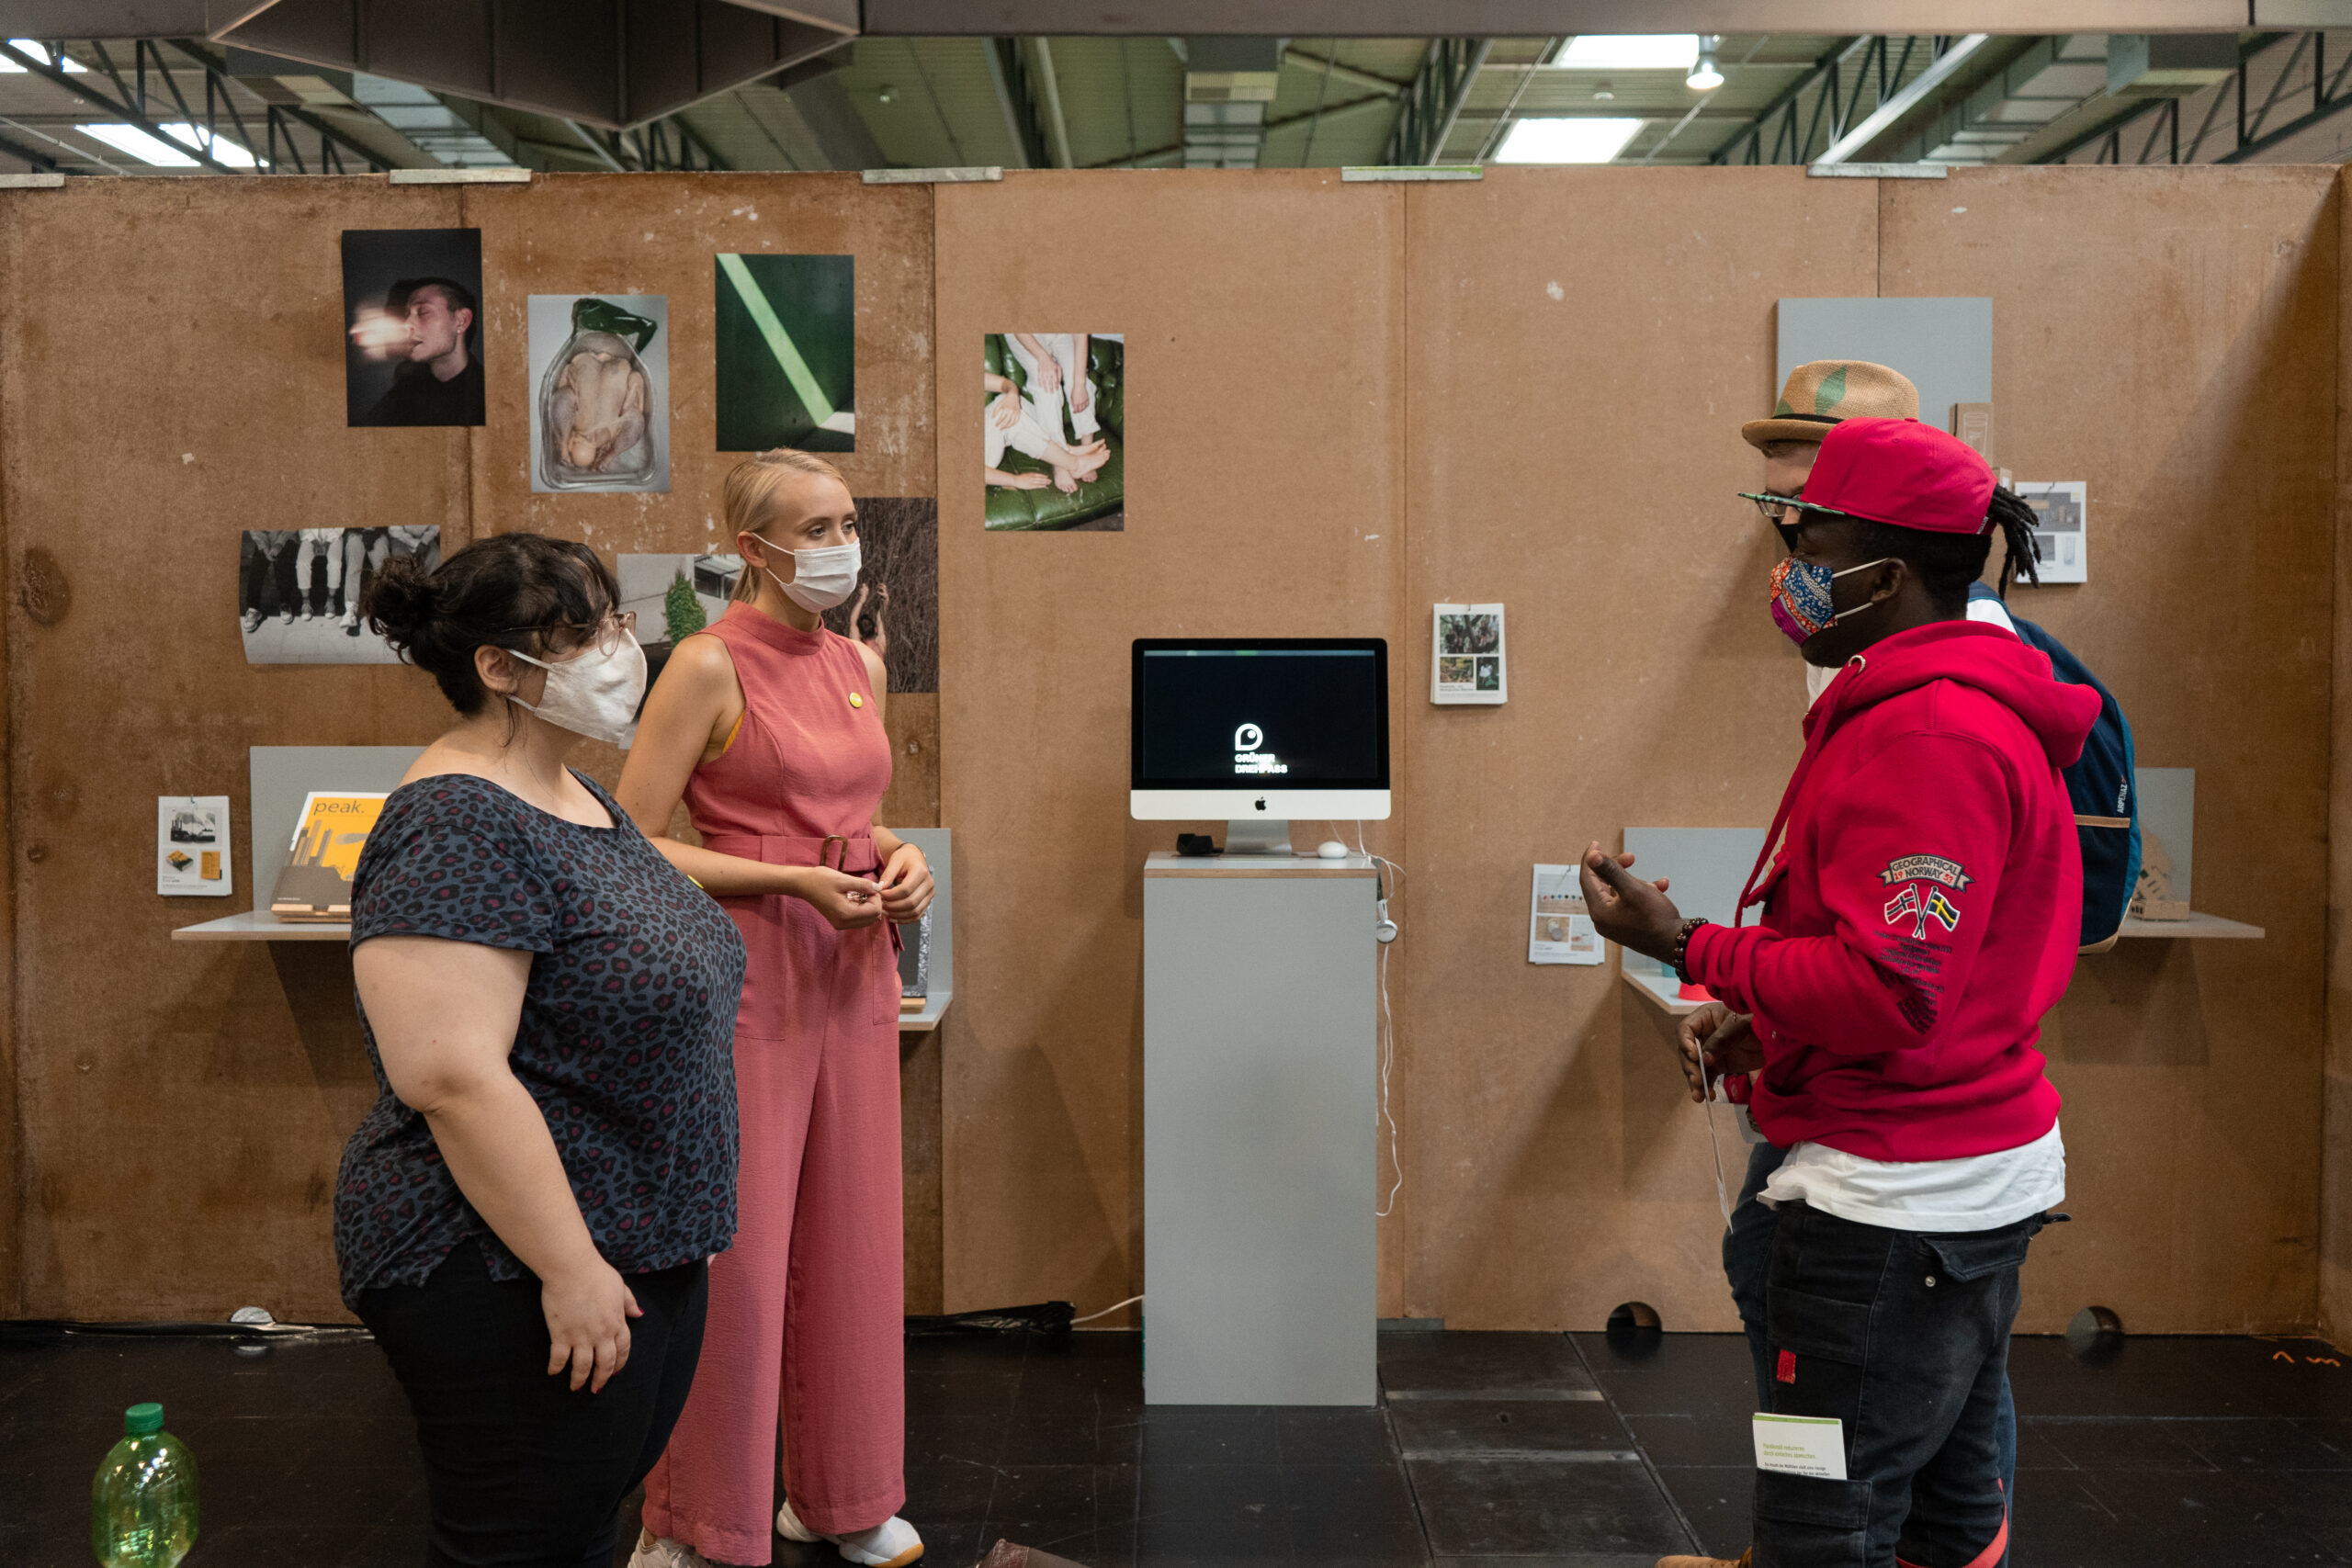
(1261,803)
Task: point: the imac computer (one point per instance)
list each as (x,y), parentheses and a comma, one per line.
(1258,731)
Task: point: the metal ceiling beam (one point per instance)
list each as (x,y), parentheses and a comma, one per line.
(1021,121)
(1434,101)
(1923,90)
(1049,97)
(1823,71)
(85,89)
(1540,18)
(1338,72)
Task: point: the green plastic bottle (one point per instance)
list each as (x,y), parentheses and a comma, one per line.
(143,1504)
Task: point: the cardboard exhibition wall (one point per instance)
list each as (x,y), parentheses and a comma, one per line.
(1345,402)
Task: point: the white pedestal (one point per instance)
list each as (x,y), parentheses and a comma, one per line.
(1260,1094)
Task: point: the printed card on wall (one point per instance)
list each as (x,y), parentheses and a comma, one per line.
(1053,426)
(2060,527)
(786,353)
(192,846)
(1467,650)
(600,405)
(412,307)
(1560,929)
(298,591)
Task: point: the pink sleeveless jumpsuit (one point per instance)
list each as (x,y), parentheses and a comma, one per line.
(807,1310)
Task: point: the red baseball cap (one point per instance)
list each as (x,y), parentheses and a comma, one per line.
(1901,472)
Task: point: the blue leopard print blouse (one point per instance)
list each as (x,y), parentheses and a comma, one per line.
(626,1039)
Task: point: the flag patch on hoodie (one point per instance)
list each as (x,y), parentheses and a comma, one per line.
(1934,906)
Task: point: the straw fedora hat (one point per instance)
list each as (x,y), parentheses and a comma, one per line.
(1820,394)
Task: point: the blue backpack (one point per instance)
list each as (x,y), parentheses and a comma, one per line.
(2107,805)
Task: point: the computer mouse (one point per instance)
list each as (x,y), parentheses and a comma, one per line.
(1332,849)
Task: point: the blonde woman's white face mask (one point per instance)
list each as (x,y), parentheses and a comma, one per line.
(821,578)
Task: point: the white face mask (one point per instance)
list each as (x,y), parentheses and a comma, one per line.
(596,695)
(821,579)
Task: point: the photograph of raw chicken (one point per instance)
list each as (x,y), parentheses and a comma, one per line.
(788,352)
(600,408)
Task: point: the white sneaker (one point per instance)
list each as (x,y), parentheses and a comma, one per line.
(652,1552)
(893,1543)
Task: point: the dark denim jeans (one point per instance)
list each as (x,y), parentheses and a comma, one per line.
(1747,1254)
(1904,1339)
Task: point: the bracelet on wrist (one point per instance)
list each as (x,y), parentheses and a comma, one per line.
(1681,960)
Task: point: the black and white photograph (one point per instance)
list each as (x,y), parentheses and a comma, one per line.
(298,591)
(674,597)
(2062,543)
(600,404)
(411,305)
(192,847)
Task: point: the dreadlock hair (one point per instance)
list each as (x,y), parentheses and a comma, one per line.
(1947,563)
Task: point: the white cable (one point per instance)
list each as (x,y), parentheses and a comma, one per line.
(1388,1047)
(1723,1199)
(1106,1312)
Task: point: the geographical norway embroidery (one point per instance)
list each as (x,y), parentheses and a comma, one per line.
(1926,868)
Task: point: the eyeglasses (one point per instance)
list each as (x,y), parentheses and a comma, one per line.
(607,632)
(1775,509)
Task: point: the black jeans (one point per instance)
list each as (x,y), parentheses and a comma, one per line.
(1904,1339)
(521,1469)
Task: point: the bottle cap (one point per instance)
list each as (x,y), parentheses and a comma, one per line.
(143,1419)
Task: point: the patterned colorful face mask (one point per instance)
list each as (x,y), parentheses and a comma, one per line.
(1801,604)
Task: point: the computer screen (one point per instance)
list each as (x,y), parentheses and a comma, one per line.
(1269,713)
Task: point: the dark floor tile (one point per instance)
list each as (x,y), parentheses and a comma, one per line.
(2205,1520)
(1191,1434)
(1334,1437)
(1477,1426)
(1110,1547)
(1079,1437)
(1694,1439)
(1330,1541)
(950,1394)
(943,1546)
(965,1352)
(2131,1443)
(1675,1374)
(2181,1375)
(1250,1541)
(1718,1500)
(1479,1361)
(2336,1433)
(1577,1560)
(2035,1451)
(2262,1444)
(1065,1493)
(960,1439)
(2059,1522)
(948,1494)
(1332,1493)
(268,1546)
(1506,1507)
(1211,1492)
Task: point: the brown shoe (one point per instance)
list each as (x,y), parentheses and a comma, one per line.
(1745,1560)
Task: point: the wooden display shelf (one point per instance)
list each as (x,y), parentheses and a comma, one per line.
(2196,925)
(260,925)
(935,1008)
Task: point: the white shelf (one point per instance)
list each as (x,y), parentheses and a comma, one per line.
(260,925)
(935,1008)
(1658,990)
(2196,925)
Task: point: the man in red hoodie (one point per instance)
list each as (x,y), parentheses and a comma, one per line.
(1921,893)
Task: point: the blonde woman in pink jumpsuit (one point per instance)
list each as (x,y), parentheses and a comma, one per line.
(769,727)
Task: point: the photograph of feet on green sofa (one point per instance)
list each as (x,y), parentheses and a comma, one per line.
(1098,497)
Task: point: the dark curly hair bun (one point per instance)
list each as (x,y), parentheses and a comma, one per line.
(520,591)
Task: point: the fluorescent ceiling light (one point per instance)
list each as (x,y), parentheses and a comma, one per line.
(71,67)
(1630,51)
(1565,141)
(221,148)
(139,145)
